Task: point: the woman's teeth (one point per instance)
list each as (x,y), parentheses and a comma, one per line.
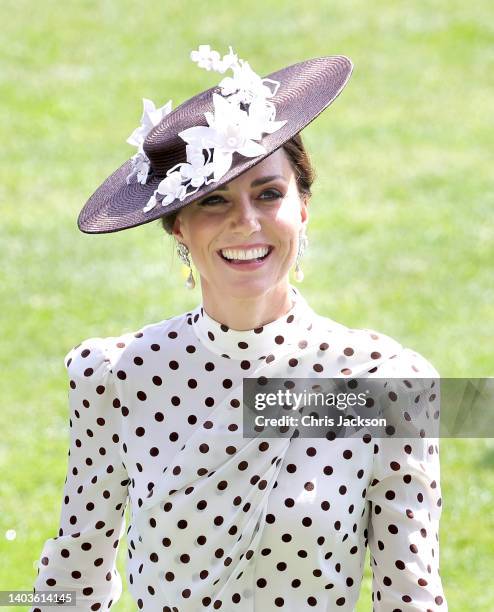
(244,255)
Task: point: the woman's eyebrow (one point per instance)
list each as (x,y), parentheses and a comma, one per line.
(256,182)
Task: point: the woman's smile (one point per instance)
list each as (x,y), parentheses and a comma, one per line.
(246,258)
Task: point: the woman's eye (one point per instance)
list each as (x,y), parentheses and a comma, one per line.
(267,194)
(211,200)
(270,194)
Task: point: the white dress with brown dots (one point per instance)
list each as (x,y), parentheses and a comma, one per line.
(223,522)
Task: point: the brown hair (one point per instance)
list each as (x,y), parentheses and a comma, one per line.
(301,164)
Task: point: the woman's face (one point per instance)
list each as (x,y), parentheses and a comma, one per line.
(243,237)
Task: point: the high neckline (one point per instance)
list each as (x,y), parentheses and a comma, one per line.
(258,343)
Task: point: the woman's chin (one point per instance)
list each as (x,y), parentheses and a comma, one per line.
(244,286)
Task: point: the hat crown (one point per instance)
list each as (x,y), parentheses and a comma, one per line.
(163,145)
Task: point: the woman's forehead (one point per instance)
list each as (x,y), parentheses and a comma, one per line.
(276,164)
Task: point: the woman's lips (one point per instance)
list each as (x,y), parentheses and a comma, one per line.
(246,264)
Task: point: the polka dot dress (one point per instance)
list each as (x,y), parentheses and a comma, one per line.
(222,522)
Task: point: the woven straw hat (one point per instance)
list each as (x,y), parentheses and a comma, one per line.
(305,90)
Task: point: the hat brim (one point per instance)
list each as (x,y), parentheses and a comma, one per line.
(306,89)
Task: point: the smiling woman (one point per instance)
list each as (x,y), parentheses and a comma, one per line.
(219,519)
(243,239)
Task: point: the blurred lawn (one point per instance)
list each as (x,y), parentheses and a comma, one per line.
(400,237)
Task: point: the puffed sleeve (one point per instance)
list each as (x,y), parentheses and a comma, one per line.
(82,557)
(405,509)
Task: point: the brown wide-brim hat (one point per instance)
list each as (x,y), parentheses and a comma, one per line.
(305,90)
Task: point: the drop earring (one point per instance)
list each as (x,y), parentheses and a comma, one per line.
(183,253)
(303,243)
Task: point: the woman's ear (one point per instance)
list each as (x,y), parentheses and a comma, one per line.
(177,228)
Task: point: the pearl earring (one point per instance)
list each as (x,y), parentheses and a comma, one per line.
(183,253)
(303,243)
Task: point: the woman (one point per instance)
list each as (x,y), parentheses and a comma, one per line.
(219,520)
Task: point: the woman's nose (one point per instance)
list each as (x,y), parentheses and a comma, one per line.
(245,216)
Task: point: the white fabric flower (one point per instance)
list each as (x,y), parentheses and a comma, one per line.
(246,83)
(229,129)
(151,116)
(171,187)
(206,58)
(229,61)
(261,119)
(229,132)
(141,167)
(197,168)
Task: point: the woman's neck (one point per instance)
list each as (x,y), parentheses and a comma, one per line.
(247,312)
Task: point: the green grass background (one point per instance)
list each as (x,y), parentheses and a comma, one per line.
(401,232)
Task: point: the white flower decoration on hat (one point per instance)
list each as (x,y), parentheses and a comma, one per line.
(247,84)
(210,60)
(242,114)
(151,116)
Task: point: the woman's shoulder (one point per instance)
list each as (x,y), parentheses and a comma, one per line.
(356,340)
(100,353)
(390,356)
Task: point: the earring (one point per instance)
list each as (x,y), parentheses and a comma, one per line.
(303,243)
(183,253)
